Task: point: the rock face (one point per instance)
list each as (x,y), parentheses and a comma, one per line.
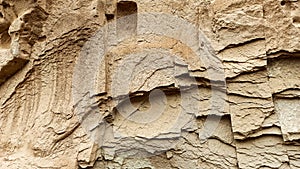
(150,84)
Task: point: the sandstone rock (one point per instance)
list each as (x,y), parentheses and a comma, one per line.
(149,84)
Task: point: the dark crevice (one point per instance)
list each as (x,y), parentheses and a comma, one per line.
(171,89)
(283,54)
(250,97)
(42,38)
(277,96)
(11,68)
(296,20)
(5,4)
(109,17)
(241,44)
(254,71)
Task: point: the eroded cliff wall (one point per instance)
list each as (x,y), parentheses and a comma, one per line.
(150,84)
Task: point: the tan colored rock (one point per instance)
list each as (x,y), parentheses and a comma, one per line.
(288,112)
(265,151)
(283,31)
(248,114)
(244,18)
(284,74)
(254,85)
(248,57)
(149,84)
(212,154)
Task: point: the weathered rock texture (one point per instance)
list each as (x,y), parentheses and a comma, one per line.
(49,58)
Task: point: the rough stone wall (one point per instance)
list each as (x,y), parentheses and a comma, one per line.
(64,105)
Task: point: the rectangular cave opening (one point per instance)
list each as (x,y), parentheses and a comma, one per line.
(125,8)
(126,19)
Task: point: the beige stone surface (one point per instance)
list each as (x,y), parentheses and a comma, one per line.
(149,84)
